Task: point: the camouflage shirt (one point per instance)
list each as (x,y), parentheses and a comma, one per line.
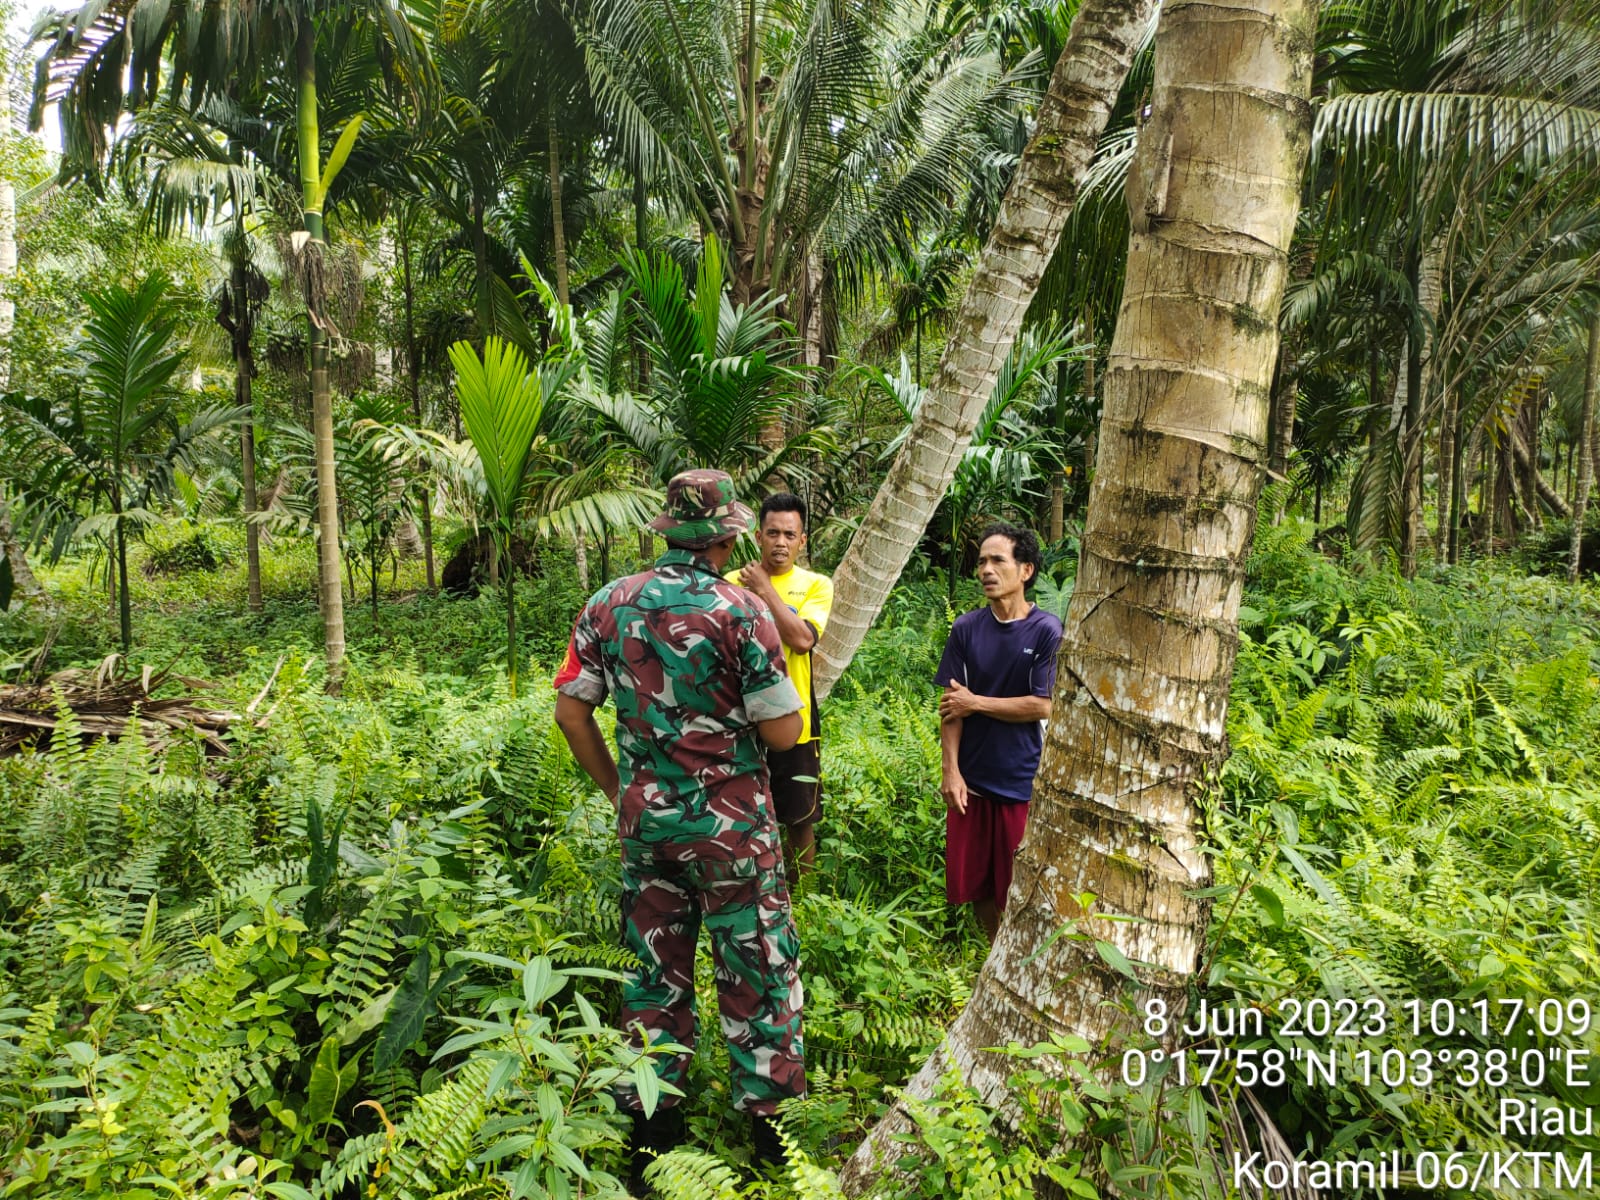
(692,662)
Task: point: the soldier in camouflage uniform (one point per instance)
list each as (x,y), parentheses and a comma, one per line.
(695,667)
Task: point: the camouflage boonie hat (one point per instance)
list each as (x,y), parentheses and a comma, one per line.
(701,509)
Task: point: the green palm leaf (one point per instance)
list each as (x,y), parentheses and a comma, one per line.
(501,402)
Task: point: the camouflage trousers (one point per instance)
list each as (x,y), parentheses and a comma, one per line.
(668,892)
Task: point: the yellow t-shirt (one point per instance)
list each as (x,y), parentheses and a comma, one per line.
(809,596)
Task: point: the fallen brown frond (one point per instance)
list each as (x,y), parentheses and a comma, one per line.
(104,700)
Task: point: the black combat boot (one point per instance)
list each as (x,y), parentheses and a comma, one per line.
(661,1131)
(766,1148)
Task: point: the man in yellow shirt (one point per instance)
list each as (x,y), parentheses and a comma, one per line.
(799,600)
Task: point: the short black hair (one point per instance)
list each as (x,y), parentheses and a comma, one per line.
(782,502)
(1024,545)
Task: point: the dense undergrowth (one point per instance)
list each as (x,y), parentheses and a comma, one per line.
(373,951)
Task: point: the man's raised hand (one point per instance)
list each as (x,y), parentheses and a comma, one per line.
(957,702)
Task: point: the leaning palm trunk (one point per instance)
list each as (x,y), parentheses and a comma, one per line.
(1100,48)
(1146,660)
(330,589)
(1585,448)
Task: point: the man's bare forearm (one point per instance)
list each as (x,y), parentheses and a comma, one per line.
(950,744)
(588,744)
(1017,709)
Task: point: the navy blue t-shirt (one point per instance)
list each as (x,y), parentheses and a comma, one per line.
(999,658)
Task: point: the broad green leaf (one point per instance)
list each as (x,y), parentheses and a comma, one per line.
(540,981)
(1270,904)
(338,157)
(1115,958)
(501,403)
(647,1085)
(414,1002)
(322,1093)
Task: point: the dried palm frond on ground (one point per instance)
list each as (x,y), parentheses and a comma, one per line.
(105,699)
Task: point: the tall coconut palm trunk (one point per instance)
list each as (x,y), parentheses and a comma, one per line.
(1100,48)
(1142,678)
(1585,448)
(330,588)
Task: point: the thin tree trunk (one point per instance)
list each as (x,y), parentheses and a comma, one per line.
(383,351)
(1090,438)
(1460,457)
(1429,282)
(1280,437)
(1527,454)
(559,234)
(1489,492)
(124,601)
(1141,698)
(1580,506)
(810,289)
(414,382)
(641,215)
(1100,47)
(1536,486)
(330,588)
(1058,477)
(1447,475)
(558,223)
(1285,399)
(480,259)
(8,236)
(511,623)
(244,368)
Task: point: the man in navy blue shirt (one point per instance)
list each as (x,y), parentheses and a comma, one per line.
(998,672)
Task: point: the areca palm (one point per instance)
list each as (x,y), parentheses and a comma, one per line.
(193,179)
(93,462)
(501,402)
(101,64)
(511,413)
(721,375)
(1443,121)
(502,154)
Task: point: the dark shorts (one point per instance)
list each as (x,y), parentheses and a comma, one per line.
(797,783)
(979,848)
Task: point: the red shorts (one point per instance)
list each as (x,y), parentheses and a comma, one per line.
(979,847)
